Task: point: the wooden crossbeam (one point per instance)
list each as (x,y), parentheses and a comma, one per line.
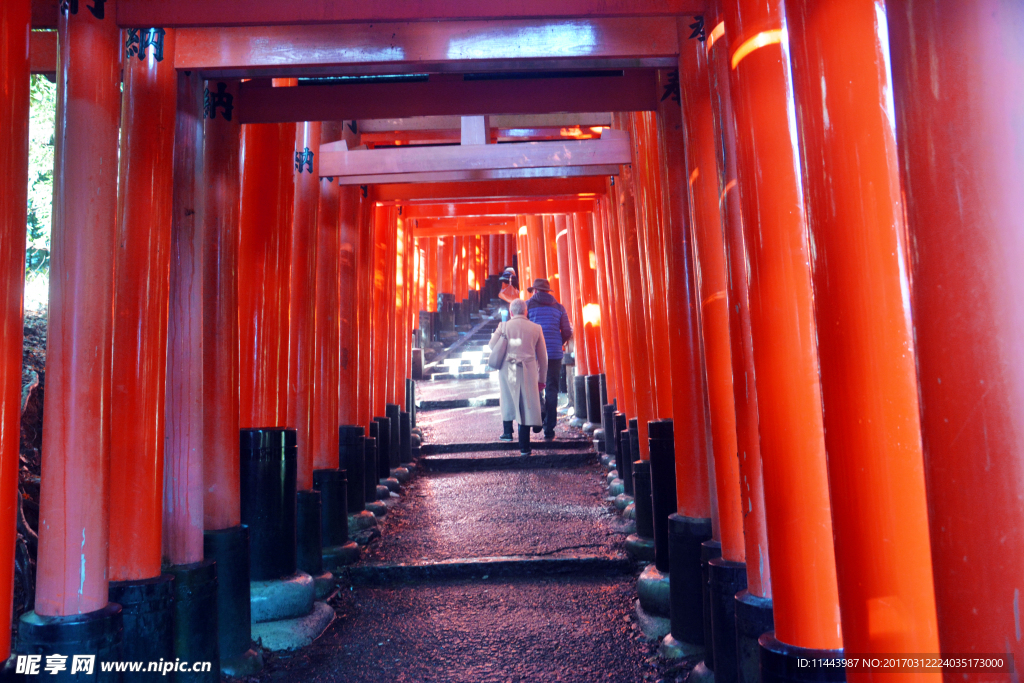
(610,150)
(497,208)
(588,186)
(181,13)
(430,47)
(480,176)
(261,103)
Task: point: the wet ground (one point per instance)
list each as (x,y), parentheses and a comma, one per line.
(499,512)
(535,630)
(492,567)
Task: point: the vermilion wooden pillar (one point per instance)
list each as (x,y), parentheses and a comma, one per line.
(264,267)
(611,365)
(140,311)
(15,20)
(637,321)
(365,277)
(782,324)
(445,264)
(401,286)
(74,497)
(868,372)
(380,310)
(742,353)
(328,383)
(509,250)
(430,273)
(390,295)
(535,241)
(618,296)
(221,206)
(551,254)
(961,163)
(302,315)
(696,136)
(352,318)
(493,254)
(650,215)
(183,487)
(523,253)
(576,298)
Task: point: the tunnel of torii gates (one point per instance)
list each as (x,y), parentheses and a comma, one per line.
(798,235)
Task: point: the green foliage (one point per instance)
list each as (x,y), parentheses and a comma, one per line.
(42,132)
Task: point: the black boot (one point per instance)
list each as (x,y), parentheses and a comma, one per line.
(524,440)
(507,434)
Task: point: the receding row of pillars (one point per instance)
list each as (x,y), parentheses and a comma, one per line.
(809,266)
(803,269)
(206,282)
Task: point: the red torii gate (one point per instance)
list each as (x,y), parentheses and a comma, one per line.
(765,226)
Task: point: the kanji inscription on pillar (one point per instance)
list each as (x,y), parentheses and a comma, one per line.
(212,101)
(138,41)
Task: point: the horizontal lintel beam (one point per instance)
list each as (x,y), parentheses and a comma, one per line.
(434,177)
(633,91)
(428,47)
(517,121)
(593,186)
(42,52)
(181,13)
(501,208)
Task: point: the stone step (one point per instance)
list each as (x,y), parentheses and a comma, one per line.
(490,567)
(444,404)
(496,460)
(460,375)
(480,447)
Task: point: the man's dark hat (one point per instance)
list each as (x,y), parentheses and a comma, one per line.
(540,284)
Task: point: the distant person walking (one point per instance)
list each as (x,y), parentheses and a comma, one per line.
(545,310)
(509,289)
(526,361)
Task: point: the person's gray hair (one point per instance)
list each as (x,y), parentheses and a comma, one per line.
(517,307)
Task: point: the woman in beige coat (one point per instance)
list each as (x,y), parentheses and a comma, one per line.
(526,361)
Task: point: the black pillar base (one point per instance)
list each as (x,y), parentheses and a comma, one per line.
(625,467)
(393,412)
(611,446)
(579,401)
(381,429)
(663,487)
(642,500)
(709,550)
(685,536)
(726,579)
(195,619)
(267,477)
(352,459)
(594,400)
(147,609)
(405,438)
(370,470)
(446,313)
(229,548)
(754,618)
(334,510)
(93,633)
(410,401)
(780,663)
(307,532)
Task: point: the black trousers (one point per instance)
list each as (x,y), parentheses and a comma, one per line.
(524,435)
(550,398)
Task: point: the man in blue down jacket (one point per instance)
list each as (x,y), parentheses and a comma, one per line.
(545,310)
